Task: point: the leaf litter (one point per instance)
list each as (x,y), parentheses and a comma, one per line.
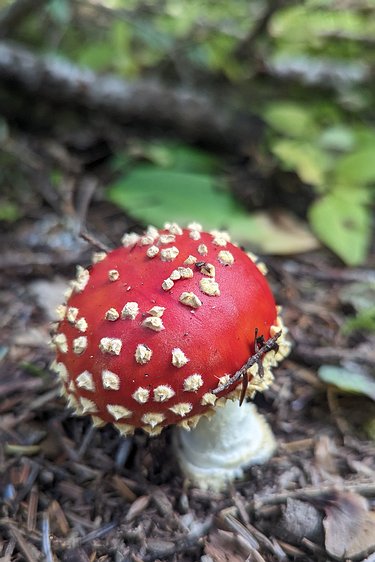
(73,493)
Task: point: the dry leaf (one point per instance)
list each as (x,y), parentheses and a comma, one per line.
(277,232)
(349,526)
(300,520)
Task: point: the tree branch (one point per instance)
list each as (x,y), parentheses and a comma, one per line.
(194,116)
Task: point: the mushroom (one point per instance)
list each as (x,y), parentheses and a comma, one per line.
(163,331)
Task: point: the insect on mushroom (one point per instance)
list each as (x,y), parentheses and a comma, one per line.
(169,329)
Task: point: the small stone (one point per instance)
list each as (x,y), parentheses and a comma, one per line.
(209,287)
(154,323)
(190,299)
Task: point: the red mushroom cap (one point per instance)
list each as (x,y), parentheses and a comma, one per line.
(150,330)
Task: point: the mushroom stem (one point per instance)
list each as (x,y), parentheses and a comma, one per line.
(220,448)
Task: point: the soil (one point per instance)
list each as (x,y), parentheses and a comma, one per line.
(72,493)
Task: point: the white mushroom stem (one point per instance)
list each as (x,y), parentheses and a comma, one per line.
(220,448)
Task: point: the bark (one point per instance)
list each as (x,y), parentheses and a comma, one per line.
(193,116)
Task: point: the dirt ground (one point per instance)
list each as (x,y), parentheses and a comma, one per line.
(72,493)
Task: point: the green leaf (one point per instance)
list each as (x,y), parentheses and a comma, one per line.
(154,195)
(290,119)
(9,212)
(343,223)
(339,138)
(97,56)
(355,382)
(182,158)
(357,168)
(365,320)
(308,161)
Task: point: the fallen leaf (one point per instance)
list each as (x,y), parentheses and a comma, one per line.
(349,526)
(300,520)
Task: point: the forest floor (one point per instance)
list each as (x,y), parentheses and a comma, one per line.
(73,493)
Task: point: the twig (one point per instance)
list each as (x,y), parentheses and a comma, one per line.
(194,116)
(98,533)
(46,540)
(28,550)
(268,346)
(94,241)
(366,489)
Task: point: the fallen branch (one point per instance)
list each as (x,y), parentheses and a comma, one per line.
(192,115)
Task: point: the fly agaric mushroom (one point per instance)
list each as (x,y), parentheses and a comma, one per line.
(162,331)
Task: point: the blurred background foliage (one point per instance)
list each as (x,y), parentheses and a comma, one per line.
(305,69)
